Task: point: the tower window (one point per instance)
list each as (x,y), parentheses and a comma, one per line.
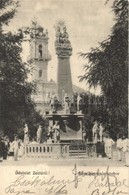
(40,51)
(40,73)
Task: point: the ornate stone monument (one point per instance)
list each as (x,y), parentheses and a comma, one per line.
(26,134)
(63,51)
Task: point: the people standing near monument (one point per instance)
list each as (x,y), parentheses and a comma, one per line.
(11,150)
(5,147)
(16,146)
(119,146)
(26,134)
(127,153)
(124,149)
(21,148)
(110,143)
(105,139)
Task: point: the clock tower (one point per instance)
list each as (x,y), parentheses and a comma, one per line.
(39,58)
(39,54)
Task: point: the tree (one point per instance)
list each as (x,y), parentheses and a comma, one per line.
(108,67)
(15,90)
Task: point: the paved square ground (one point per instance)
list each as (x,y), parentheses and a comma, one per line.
(89,161)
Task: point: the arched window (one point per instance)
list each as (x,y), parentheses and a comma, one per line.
(40,51)
(40,73)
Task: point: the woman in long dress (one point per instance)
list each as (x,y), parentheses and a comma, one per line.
(21,148)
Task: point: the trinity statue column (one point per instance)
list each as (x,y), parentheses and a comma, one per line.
(63,51)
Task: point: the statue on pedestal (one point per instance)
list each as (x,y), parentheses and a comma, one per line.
(55,104)
(52,102)
(58,34)
(65,35)
(101,129)
(66,103)
(62,37)
(95,131)
(78,102)
(26,134)
(39,134)
(56,132)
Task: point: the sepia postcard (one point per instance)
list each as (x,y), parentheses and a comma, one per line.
(64,97)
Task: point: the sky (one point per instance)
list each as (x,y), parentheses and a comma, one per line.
(88,22)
